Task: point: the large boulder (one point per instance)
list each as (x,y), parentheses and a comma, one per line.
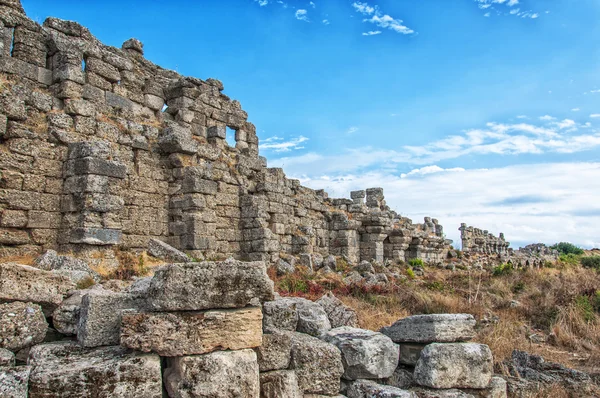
(338,313)
(74,268)
(14,382)
(436,328)
(209,285)
(318,365)
(370,389)
(23,283)
(365,354)
(160,249)
(279,384)
(65,317)
(22,325)
(454,365)
(296,313)
(68,370)
(173,334)
(280,315)
(274,353)
(100,316)
(220,374)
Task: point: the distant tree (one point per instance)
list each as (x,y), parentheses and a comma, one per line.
(591,262)
(567,248)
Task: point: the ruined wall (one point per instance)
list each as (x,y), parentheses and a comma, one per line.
(102,148)
(481,241)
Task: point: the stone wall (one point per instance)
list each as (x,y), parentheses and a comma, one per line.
(102,148)
(481,241)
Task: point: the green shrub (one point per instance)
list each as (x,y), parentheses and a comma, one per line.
(567,248)
(591,262)
(584,305)
(572,259)
(414,262)
(518,287)
(341,265)
(503,269)
(410,273)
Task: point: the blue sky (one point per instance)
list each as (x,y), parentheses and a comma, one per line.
(477,111)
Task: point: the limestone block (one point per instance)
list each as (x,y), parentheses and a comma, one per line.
(274,353)
(95,236)
(217,132)
(312,318)
(365,354)
(401,378)
(65,317)
(208,285)
(441,328)
(67,370)
(280,315)
(23,283)
(100,316)
(7,358)
(278,384)
(154,102)
(193,184)
(410,353)
(13,237)
(92,165)
(221,374)
(177,139)
(118,101)
(50,260)
(318,365)
(454,365)
(22,325)
(283,267)
(190,333)
(103,69)
(338,313)
(79,107)
(368,389)
(133,44)
(13,218)
(14,382)
(159,249)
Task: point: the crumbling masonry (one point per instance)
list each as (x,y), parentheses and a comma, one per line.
(102,148)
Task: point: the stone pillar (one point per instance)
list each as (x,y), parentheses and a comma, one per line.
(344,238)
(358,197)
(375,198)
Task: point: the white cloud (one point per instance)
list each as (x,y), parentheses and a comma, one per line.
(312,4)
(547,117)
(522,117)
(363,8)
(325,22)
(262,3)
(500,7)
(547,203)
(380,19)
(301,15)
(352,130)
(278,145)
(595,115)
(372,33)
(430,170)
(575,109)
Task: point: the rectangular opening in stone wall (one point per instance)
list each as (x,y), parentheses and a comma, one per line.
(230,137)
(83,64)
(164,108)
(12,41)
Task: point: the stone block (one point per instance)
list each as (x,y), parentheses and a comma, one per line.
(103,69)
(13,218)
(318,365)
(101,167)
(65,317)
(119,102)
(217,132)
(68,72)
(441,328)
(365,354)
(410,353)
(221,374)
(312,318)
(193,184)
(154,102)
(177,139)
(338,313)
(23,283)
(274,353)
(100,316)
(79,107)
(13,237)
(280,315)
(189,333)
(159,249)
(455,365)
(67,370)
(278,384)
(14,382)
(95,236)
(22,325)
(209,285)
(7,358)
(369,389)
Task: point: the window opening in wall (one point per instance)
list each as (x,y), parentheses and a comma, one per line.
(83,64)
(230,137)
(12,42)
(164,108)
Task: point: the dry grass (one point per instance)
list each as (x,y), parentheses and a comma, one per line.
(25,260)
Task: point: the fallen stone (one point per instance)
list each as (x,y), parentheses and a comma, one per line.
(220,374)
(312,318)
(338,313)
(23,283)
(279,384)
(100,316)
(365,354)
(209,285)
(274,353)
(65,318)
(318,365)
(173,334)
(439,328)
(22,325)
(7,358)
(451,393)
(280,315)
(159,249)
(14,382)
(68,370)
(283,267)
(454,365)
(364,268)
(370,389)
(401,378)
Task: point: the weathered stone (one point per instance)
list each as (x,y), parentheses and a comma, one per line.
(67,370)
(221,374)
(65,317)
(176,139)
(280,315)
(365,354)
(369,389)
(52,261)
(401,378)
(454,365)
(274,353)
(14,382)
(100,316)
(440,328)
(318,365)
(7,358)
(159,249)
(23,283)
(410,353)
(190,332)
(22,325)
(207,285)
(279,384)
(338,313)
(312,318)
(96,236)
(283,267)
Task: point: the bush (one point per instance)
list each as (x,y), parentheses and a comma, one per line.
(410,273)
(503,269)
(572,259)
(585,307)
(591,262)
(567,248)
(414,262)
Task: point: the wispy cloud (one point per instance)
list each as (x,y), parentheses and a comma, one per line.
(575,109)
(326,22)
(352,130)
(312,4)
(505,7)
(380,19)
(301,15)
(595,115)
(372,33)
(278,144)
(262,3)
(430,170)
